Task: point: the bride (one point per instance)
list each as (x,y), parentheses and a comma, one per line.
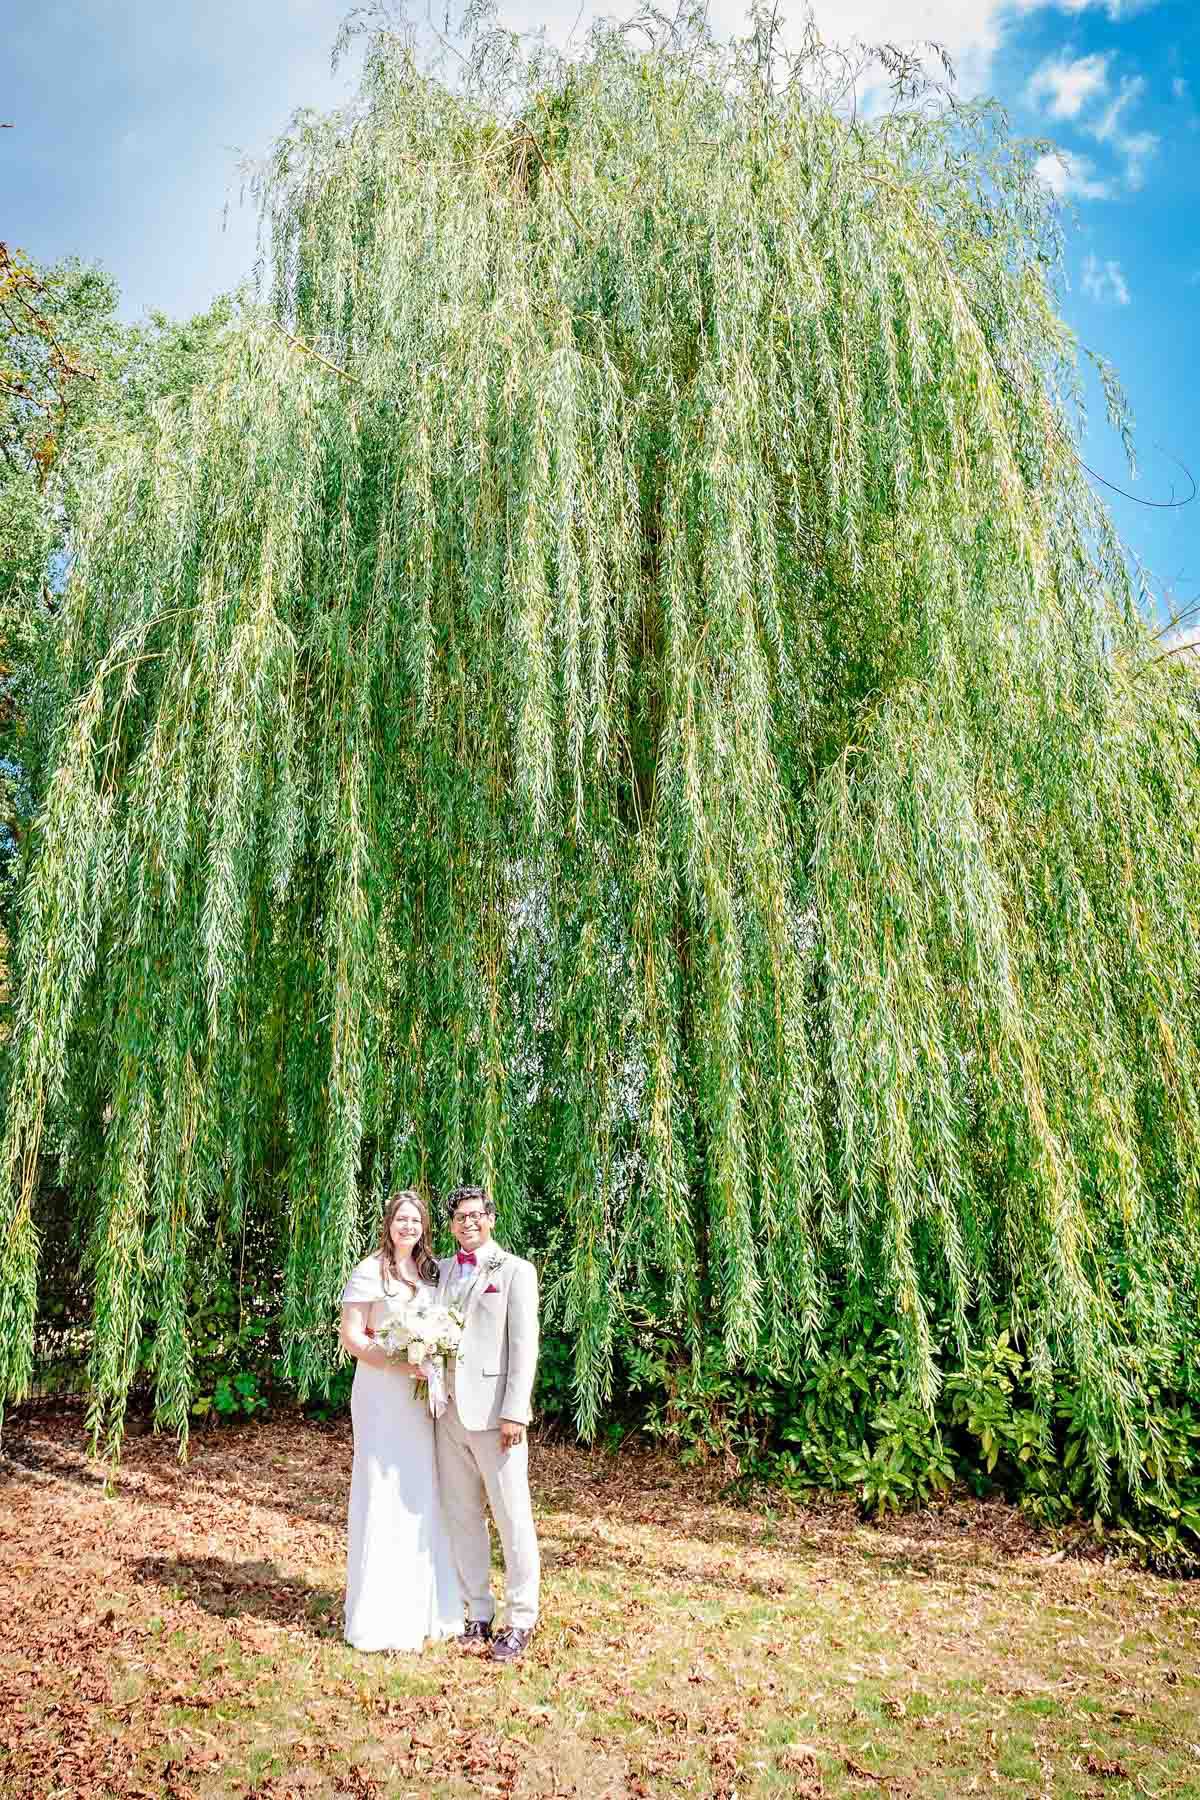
(401,1587)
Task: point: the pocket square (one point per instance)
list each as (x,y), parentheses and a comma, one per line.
(493,1289)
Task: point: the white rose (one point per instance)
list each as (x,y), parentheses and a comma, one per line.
(418,1352)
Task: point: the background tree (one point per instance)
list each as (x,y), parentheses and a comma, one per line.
(57,332)
(614,683)
(69,366)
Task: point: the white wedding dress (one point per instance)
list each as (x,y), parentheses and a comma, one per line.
(401,1585)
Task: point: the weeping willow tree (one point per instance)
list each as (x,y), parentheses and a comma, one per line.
(616,686)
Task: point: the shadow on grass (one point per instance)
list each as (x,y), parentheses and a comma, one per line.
(218,1457)
(591,1558)
(22,1456)
(246,1590)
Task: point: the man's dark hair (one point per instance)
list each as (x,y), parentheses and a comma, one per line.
(455,1199)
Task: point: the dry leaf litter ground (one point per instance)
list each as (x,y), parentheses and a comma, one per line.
(178,1638)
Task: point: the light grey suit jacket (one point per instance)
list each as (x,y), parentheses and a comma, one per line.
(497,1358)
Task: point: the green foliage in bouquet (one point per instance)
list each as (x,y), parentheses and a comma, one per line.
(614,684)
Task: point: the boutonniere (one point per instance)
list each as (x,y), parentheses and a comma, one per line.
(493,1261)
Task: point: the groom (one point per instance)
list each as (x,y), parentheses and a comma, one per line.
(481,1436)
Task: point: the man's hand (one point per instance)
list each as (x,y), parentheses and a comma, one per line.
(511,1434)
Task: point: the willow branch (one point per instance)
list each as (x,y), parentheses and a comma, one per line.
(299,344)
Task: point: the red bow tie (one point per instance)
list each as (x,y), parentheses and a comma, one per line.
(464,1257)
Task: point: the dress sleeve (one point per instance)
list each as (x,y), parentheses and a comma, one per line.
(365,1284)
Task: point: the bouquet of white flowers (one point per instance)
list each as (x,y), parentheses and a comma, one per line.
(426,1334)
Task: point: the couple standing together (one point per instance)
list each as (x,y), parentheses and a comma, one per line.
(419,1552)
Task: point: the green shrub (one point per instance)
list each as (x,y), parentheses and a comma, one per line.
(851,1423)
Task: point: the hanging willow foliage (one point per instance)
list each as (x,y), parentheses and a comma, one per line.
(618,688)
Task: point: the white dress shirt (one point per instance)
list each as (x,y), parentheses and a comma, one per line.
(461,1277)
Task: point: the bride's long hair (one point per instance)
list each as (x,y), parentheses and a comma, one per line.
(422,1254)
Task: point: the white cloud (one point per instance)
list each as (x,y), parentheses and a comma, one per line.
(1137,147)
(1071,177)
(1180,89)
(1104,282)
(1107,128)
(1137,150)
(1116,9)
(1069,84)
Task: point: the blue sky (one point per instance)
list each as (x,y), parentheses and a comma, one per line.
(129,118)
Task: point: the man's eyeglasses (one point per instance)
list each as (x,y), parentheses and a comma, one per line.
(471,1218)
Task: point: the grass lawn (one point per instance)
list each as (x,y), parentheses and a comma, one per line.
(179,1638)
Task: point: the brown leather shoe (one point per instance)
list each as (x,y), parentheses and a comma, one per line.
(509,1644)
(475,1635)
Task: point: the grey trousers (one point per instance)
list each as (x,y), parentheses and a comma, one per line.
(473,1470)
